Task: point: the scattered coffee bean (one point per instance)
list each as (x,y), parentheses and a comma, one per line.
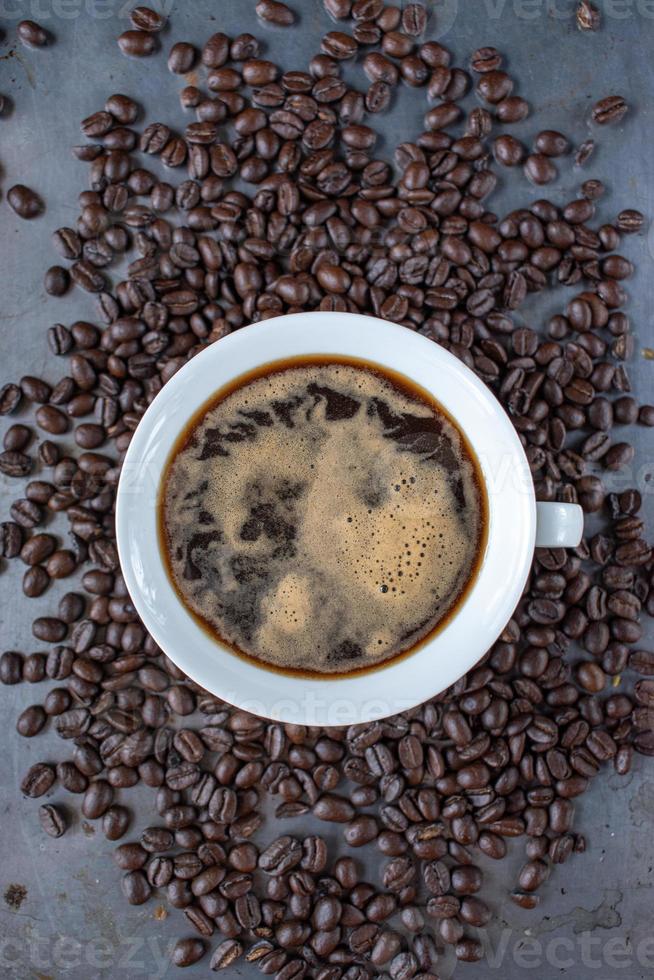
(630,221)
(38,780)
(551,143)
(52,820)
(136,887)
(512,109)
(14,463)
(137,44)
(32,34)
(25,202)
(10,397)
(11,667)
(35,581)
(31,721)
(146,19)
(539,169)
(227,953)
(186,952)
(275,12)
(610,110)
(181,58)
(508,150)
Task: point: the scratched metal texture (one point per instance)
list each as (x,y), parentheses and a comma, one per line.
(61,910)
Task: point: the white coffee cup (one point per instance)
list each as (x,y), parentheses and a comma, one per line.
(516,523)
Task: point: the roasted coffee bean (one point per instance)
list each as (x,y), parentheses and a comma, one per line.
(34,668)
(612,109)
(38,780)
(35,581)
(52,420)
(469,950)
(32,34)
(56,281)
(24,202)
(31,721)
(17,437)
(11,539)
(227,953)
(37,548)
(275,12)
(136,887)
(121,107)
(532,875)
(10,398)
(137,43)
(494,86)
(508,150)
(15,464)
(35,389)
(539,169)
(25,513)
(281,855)
(115,822)
(550,143)
(437,878)
(146,19)
(57,700)
(333,808)
(97,799)
(512,109)
(181,58)
(630,221)
(486,59)
(11,667)
(130,857)
(466,880)
(52,820)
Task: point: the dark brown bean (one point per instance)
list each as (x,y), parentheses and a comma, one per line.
(137,44)
(147,19)
(611,109)
(24,202)
(275,12)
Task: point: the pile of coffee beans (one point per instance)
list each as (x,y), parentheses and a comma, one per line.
(326,224)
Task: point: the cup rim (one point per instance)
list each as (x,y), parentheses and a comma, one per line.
(438,662)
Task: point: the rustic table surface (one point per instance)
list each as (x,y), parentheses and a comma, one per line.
(62,914)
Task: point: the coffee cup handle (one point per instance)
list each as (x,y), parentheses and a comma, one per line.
(558,525)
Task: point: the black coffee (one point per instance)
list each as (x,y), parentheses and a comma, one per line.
(322,516)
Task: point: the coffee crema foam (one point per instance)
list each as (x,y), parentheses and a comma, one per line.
(321,518)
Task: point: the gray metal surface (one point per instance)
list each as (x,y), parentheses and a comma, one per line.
(68,918)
